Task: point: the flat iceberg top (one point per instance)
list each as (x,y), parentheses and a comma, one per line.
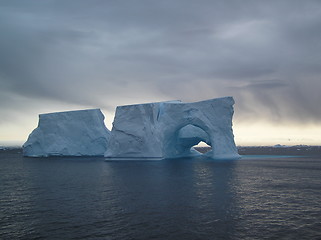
(83,111)
(230,100)
(142,104)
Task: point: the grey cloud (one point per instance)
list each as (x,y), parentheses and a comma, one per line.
(106,53)
(263,84)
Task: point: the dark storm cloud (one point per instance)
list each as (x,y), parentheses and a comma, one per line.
(106,53)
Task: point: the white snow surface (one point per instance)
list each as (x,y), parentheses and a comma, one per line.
(170,129)
(72,133)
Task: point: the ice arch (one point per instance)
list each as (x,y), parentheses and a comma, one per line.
(180,141)
(190,136)
(152,130)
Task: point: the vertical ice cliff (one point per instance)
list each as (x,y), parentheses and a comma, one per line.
(72,133)
(170,129)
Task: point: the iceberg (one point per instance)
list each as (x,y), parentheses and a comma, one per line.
(170,130)
(151,130)
(72,133)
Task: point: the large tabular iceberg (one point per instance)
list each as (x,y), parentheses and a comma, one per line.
(170,129)
(153,130)
(73,133)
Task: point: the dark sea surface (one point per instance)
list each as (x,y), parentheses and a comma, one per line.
(257,197)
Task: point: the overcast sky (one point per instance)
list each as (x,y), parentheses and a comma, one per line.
(60,55)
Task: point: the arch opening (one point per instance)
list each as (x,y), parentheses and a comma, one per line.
(183,140)
(202,147)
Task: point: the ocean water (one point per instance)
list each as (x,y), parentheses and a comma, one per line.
(257,197)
